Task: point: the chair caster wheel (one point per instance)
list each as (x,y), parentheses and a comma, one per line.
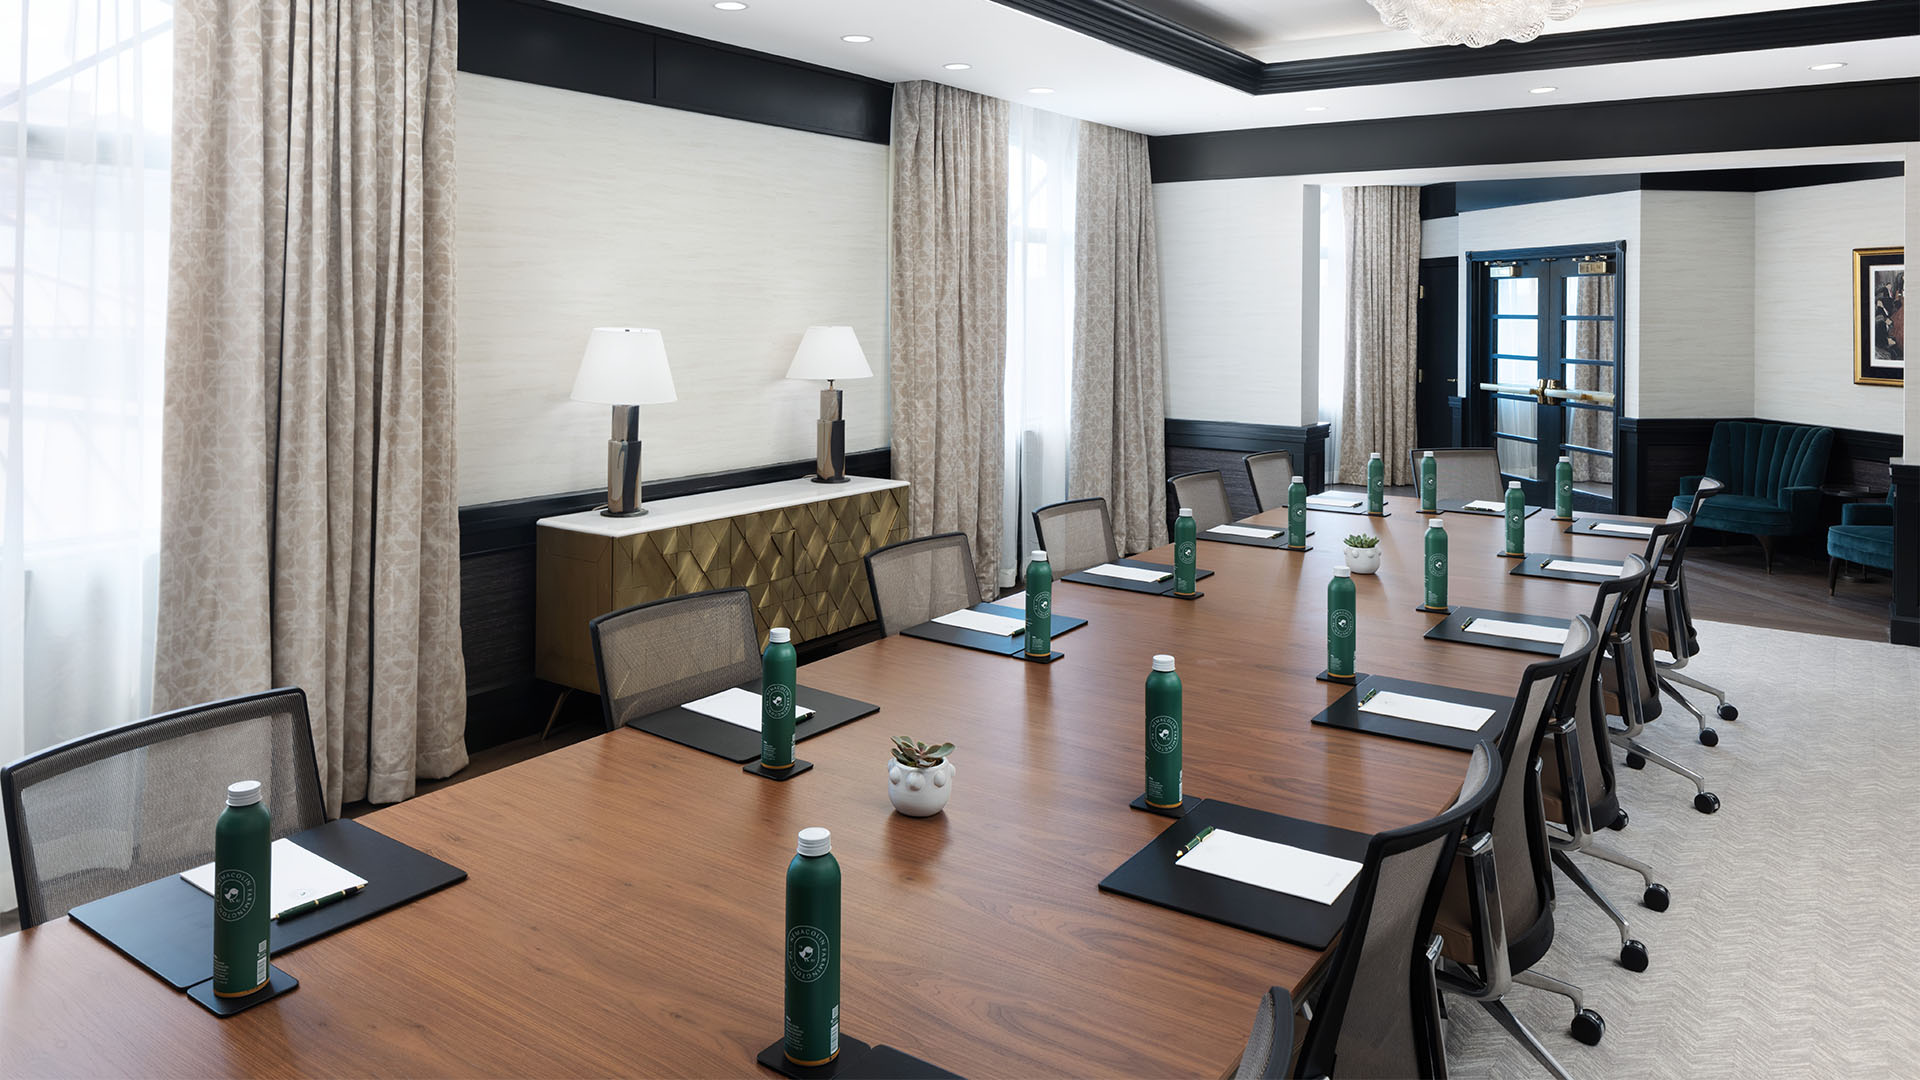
(1706,802)
(1618,823)
(1728,712)
(1633,957)
(1709,737)
(1656,897)
(1588,1027)
(1635,761)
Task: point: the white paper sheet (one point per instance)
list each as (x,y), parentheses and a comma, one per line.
(968,619)
(1622,528)
(1334,500)
(1280,868)
(1552,635)
(1245,530)
(1575,566)
(1427,710)
(1130,573)
(1017,600)
(298,876)
(739,707)
(1486,504)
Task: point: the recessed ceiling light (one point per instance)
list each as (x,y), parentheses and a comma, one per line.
(731,5)
(1316,108)
(1832,65)
(1543,90)
(957,67)
(1039,89)
(855,39)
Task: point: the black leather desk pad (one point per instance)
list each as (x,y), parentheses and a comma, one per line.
(1535,566)
(1459,506)
(1345,713)
(1152,876)
(1157,588)
(731,741)
(166,926)
(1251,541)
(1448,629)
(1585,527)
(1002,644)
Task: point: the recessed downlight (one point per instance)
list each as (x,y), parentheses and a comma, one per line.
(1831,65)
(855,39)
(1039,89)
(730,5)
(1543,90)
(956,67)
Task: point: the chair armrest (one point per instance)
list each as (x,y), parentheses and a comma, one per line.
(1274,1059)
(1489,925)
(1690,484)
(1867,514)
(1804,504)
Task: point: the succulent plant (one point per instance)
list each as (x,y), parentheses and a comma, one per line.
(1362,540)
(918,755)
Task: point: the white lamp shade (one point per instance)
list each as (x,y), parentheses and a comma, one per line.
(624,366)
(829,352)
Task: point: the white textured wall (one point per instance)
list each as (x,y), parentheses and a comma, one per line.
(1697,302)
(1803,301)
(578,211)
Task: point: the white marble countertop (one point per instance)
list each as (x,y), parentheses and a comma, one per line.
(715,505)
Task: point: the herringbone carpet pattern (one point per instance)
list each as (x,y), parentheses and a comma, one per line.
(1792,948)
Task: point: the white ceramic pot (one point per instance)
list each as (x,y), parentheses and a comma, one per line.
(1363,560)
(919,792)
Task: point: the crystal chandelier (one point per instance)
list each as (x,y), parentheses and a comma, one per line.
(1473,22)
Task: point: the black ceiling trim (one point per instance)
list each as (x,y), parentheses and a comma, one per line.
(1846,114)
(1789,176)
(1149,34)
(1464,197)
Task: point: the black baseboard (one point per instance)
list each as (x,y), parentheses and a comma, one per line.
(1905,629)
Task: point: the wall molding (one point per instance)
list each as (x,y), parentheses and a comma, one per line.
(1905,629)
(1652,454)
(1221,444)
(1463,197)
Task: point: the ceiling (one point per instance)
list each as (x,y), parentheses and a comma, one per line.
(1011,52)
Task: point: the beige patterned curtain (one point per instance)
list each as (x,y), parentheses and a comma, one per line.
(949,313)
(309,532)
(1119,447)
(1383,283)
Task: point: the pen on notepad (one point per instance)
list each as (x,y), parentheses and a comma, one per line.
(1466,624)
(1195,842)
(1370,695)
(317,903)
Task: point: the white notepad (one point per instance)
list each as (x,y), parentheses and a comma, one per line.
(739,707)
(1264,864)
(1575,566)
(1130,573)
(968,619)
(1017,600)
(1427,710)
(1243,530)
(1332,500)
(1486,504)
(1552,635)
(298,876)
(1622,528)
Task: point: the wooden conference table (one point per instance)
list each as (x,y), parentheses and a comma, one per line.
(625,907)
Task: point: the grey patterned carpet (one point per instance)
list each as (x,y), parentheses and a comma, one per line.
(1793,944)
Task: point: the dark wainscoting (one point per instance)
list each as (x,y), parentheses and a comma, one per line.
(1906,552)
(504,702)
(1457,419)
(1655,453)
(1193,445)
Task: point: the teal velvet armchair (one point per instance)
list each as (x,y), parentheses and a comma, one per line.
(1864,536)
(1772,473)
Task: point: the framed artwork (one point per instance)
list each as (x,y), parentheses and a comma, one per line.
(1879,316)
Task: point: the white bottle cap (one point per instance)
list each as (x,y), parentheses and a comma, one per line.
(1513,485)
(779,635)
(1163,662)
(815,841)
(1428,453)
(1434,523)
(244,793)
(1566,459)
(1185,512)
(1301,480)
(1373,455)
(1039,555)
(1341,571)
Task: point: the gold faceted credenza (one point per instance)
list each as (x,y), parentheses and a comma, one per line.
(797,547)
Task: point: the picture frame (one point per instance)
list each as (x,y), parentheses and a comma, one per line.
(1879,316)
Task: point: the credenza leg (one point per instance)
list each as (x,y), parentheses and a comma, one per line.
(565,693)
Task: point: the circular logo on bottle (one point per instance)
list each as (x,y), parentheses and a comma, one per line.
(1566,486)
(233,894)
(1186,551)
(807,953)
(1343,623)
(1428,480)
(779,699)
(1438,564)
(1163,734)
(1043,601)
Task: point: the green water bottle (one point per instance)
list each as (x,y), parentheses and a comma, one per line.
(813,951)
(1436,565)
(777,677)
(242,892)
(1429,483)
(1185,559)
(1297,513)
(1340,624)
(1163,734)
(1563,489)
(1516,519)
(1376,484)
(1039,605)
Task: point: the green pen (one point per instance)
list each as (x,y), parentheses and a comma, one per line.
(1370,695)
(1466,624)
(317,903)
(1195,842)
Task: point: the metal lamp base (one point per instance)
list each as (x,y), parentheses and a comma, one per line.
(623,464)
(635,512)
(830,438)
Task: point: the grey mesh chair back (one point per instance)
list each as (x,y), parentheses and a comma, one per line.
(1075,534)
(915,580)
(1593,786)
(133,804)
(1464,475)
(664,653)
(1271,474)
(1204,493)
(1634,679)
(1671,582)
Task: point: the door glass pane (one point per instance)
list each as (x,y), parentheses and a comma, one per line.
(1589,339)
(1590,295)
(1521,337)
(1517,296)
(1589,427)
(1592,473)
(1511,372)
(1588,377)
(1517,458)
(1516,417)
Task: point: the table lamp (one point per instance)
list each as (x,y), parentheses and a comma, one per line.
(625,367)
(830,352)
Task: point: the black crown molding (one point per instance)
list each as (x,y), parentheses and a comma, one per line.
(1448,199)
(1148,34)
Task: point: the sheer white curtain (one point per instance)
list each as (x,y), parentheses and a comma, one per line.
(1041,175)
(85,117)
(1333,319)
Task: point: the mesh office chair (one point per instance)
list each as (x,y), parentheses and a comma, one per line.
(1377,1010)
(1678,639)
(1496,919)
(664,653)
(1577,783)
(1464,475)
(1271,474)
(133,804)
(1075,534)
(915,580)
(1204,493)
